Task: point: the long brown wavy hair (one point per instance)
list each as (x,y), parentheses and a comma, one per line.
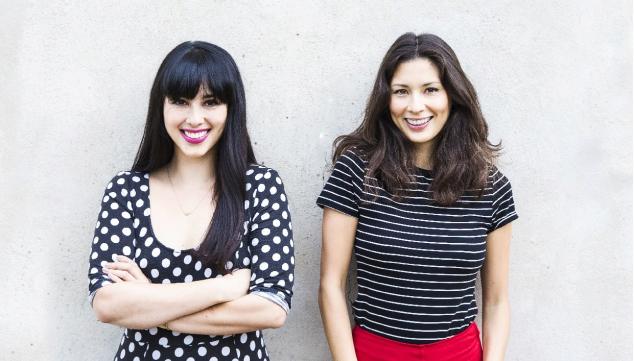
(462,155)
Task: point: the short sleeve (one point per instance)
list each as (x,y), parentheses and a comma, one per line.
(114,234)
(270,237)
(344,186)
(503,206)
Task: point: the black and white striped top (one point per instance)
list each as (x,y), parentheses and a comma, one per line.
(416,261)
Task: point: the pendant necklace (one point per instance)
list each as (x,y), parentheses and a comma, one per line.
(180,206)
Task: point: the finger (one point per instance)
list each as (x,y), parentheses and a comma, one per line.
(114,278)
(121,258)
(129,265)
(124,275)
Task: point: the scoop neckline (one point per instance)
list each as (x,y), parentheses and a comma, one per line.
(151,227)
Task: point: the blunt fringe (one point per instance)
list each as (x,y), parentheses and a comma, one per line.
(462,154)
(184,70)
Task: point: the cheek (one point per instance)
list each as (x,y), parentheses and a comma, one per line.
(397,106)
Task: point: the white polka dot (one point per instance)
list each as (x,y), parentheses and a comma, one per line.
(277,240)
(156,354)
(252,345)
(246,261)
(104,247)
(246,204)
(178,352)
(136,179)
(258,176)
(285,266)
(266,231)
(105,199)
(187,259)
(162,341)
(114,238)
(142,232)
(273,190)
(259,354)
(104,230)
(247,358)
(290,277)
(126,231)
(276,223)
(176,271)
(125,215)
(137,336)
(144,188)
(122,354)
(285,232)
(264,266)
(275,206)
(265,203)
(114,221)
(143,263)
(127,251)
(207,272)
(261,188)
(265,216)
(281,283)
(274,274)
(285,249)
(165,263)
(188,278)
(284,215)
(243,338)
(202,351)
(146,212)
(266,248)
(148,241)
(276,257)
(255,241)
(133,193)
(124,192)
(135,223)
(154,272)
(267,175)
(248,186)
(198,266)
(229,265)
(225,351)
(254,259)
(120,181)
(250,171)
(292,260)
(155,252)
(114,205)
(188,339)
(278,180)
(95,240)
(131,347)
(104,214)
(137,253)
(153,331)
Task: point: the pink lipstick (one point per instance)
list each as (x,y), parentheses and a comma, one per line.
(194,136)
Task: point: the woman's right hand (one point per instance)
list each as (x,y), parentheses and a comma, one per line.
(236,283)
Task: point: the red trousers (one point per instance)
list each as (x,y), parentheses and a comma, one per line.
(464,346)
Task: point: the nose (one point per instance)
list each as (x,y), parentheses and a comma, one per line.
(416,103)
(196,116)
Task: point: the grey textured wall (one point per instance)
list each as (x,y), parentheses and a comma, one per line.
(554,78)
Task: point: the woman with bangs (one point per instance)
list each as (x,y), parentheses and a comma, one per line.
(416,197)
(198,274)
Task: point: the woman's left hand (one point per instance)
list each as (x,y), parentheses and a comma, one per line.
(124,270)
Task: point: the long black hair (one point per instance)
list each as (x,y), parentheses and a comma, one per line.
(462,154)
(185,69)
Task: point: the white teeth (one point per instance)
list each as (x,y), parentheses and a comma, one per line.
(196,135)
(418,122)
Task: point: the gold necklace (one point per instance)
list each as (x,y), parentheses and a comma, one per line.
(180,206)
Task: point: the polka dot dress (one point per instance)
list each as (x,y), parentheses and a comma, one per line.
(124,228)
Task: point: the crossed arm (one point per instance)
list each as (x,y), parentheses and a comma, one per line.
(216,306)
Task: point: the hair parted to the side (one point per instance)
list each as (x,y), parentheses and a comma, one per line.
(462,154)
(187,68)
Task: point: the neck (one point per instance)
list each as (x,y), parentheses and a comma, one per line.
(193,172)
(423,156)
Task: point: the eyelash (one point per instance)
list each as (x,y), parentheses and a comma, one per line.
(209,102)
(429,90)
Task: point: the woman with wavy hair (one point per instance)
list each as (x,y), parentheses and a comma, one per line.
(416,197)
(193,250)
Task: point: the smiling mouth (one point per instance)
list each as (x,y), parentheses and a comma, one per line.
(419,122)
(195,136)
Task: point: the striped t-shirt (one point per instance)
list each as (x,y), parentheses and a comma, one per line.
(417,261)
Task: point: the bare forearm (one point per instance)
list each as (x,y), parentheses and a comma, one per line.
(495,330)
(245,314)
(334,314)
(145,305)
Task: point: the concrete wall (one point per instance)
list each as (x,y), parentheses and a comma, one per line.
(554,78)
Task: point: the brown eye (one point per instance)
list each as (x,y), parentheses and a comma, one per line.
(400,92)
(178,101)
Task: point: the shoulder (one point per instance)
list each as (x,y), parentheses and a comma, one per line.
(497,180)
(262,177)
(127,178)
(352,160)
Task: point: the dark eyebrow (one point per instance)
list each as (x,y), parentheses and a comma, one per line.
(426,84)
(207,96)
